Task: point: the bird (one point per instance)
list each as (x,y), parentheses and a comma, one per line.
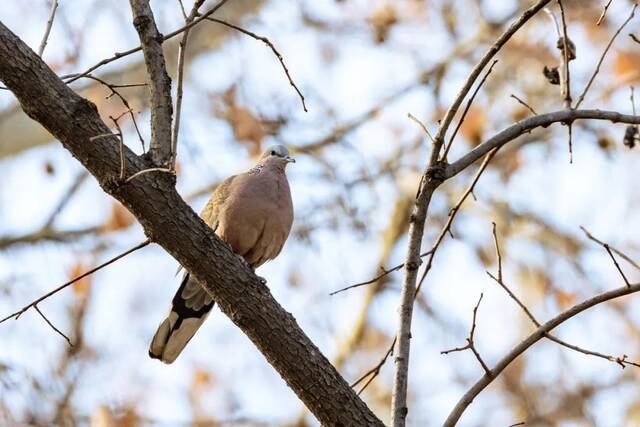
(253,213)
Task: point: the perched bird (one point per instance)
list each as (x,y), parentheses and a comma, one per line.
(253,213)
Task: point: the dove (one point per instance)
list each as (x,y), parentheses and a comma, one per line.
(252,212)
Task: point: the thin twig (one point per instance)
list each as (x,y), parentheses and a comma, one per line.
(527,106)
(73,77)
(606,246)
(604,12)
(121,138)
(273,48)
(470,341)
(182,48)
(375,371)
(18,313)
(422,125)
(604,54)
(52,326)
(452,214)
(553,18)
(466,109)
(142,172)
(77,182)
(47,31)
(616,251)
(384,273)
(533,338)
(124,101)
(493,50)
(634,38)
(566,80)
(527,125)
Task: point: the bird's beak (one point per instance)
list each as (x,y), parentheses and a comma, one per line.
(290,159)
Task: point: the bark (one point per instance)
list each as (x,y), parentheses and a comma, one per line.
(171,223)
(159,82)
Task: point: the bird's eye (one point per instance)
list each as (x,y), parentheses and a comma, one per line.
(273,152)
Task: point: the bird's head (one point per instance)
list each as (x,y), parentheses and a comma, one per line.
(278,156)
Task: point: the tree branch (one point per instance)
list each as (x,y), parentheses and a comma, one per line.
(432,177)
(47,31)
(171,223)
(536,336)
(159,82)
(527,125)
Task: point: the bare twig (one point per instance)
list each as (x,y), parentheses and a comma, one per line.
(527,125)
(606,246)
(524,104)
(466,109)
(18,313)
(73,77)
(423,126)
(493,50)
(534,337)
(384,273)
(565,82)
(124,101)
(182,48)
(47,31)
(375,371)
(604,54)
(52,326)
(121,138)
(159,82)
(77,182)
(604,12)
(634,38)
(616,251)
(272,47)
(452,214)
(47,234)
(619,360)
(470,342)
(553,18)
(142,172)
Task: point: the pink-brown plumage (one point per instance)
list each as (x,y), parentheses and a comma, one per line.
(253,213)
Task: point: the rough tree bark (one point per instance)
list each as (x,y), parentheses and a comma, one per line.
(171,223)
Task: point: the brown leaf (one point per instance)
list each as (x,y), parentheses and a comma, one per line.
(382,19)
(201,379)
(474,125)
(82,287)
(564,299)
(246,126)
(120,218)
(626,66)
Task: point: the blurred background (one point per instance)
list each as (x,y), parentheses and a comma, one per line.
(362,66)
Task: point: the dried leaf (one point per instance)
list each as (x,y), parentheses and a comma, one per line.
(474,125)
(82,287)
(120,218)
(625,65)
(382,19)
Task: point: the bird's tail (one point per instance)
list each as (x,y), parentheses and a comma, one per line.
(189,309)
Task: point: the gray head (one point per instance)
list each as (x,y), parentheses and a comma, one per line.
(277,153)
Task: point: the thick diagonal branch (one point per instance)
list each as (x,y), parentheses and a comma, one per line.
(171,223)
